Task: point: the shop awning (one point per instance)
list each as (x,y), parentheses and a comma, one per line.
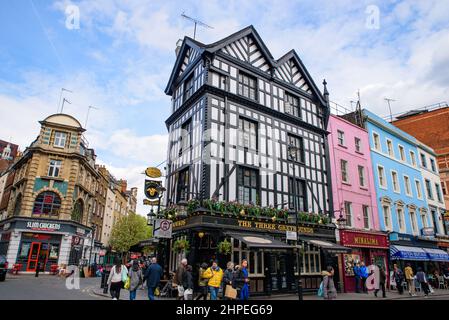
(437,255)
(327,246)
(408,253)
(260,241)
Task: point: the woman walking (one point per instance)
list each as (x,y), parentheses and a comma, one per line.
(422,279)
(135,277)
(117,277)
(382,280)
(202,282)
(228,278)
(242,281)
(329,291)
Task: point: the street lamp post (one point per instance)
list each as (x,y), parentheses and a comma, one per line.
(94,227)
(292,155)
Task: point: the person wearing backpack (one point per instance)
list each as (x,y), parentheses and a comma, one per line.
(329,290)
(136,279)
(117,277)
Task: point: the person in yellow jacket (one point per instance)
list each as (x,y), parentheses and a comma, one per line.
(410,277)
(215,276)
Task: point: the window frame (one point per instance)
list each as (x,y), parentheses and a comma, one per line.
(366,217)
(423,160)
(408,186)
(429,192)
(358,145)
(438,192)
(387,216)
(241,85)
(382,177)
(344,171)
(242,131)
(296,108)
(60,139)
(300,149)
(187,126)
(412,158)
(349,214)
(341,138)
(182,190)
(376,142)
(402,155)
(54,168)
(401,216)
(189,86)
(241,177)
(362,178)
(389,143)
(299,195)
(394,173)
(418,188)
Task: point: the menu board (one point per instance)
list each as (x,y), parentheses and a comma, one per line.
(349,261)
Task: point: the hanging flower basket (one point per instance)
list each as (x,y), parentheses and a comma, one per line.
(181,245)
(224,247)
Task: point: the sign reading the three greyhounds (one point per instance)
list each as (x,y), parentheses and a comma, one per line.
(162,228)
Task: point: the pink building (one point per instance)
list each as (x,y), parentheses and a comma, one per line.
(354,198)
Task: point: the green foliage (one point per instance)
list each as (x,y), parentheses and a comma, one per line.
(224,247)
(129,231)
(181,245)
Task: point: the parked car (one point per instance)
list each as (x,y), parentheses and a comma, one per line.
(3,267)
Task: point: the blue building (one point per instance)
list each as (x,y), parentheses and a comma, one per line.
(400,190)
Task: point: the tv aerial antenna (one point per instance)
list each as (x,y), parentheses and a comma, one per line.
(389,107)
(196,22)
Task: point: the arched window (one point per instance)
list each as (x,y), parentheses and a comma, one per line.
(18,205)
(78,210)
(47,203)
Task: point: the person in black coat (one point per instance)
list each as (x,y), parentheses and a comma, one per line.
(187,283)
(153,276)
(228,277)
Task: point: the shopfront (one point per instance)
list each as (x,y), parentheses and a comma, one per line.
(418,251)
(32,242)
(271,255)
(368,247)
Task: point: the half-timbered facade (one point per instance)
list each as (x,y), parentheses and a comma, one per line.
(235,108)
(247,128)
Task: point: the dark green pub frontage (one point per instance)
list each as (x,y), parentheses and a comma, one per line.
(263,242)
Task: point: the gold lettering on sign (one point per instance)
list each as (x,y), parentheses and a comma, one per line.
(366,241)
(179,223)
(305,230)
(266,226)
(245,224)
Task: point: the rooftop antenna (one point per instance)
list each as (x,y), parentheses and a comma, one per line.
(389,107)
(62,107)
(87,116)
(358,110)
(196,22)
(60,96)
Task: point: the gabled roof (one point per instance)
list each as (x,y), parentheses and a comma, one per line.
(248,31)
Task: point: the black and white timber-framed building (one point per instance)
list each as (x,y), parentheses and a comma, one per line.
(235,110)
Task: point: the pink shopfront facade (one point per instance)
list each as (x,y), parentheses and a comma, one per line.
(354,197)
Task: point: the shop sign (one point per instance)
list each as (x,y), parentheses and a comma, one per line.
(80,231)
(291,235)
(273,226)
(43,226)
(6,226)
(363,240)
(428,232)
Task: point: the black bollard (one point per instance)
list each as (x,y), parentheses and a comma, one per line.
(38,268)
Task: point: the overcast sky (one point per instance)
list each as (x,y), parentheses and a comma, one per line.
(120,58)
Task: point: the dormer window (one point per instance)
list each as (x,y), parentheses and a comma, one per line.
(60,139)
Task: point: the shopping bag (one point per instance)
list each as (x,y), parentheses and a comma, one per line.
(127,283)
(230,292)
(157,292)
(321,290)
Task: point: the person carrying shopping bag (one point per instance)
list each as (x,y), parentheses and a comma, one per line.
(242,281)
(135,279)
(117,278)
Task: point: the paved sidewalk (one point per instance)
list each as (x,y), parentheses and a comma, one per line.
(391,295)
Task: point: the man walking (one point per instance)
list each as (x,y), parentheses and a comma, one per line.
(410,277)
(179,276)
(153,276)
(356,270)
(363,276)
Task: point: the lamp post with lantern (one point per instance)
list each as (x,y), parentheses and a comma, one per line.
(293,157)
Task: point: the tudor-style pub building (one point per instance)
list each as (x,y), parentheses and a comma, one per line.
(248,130)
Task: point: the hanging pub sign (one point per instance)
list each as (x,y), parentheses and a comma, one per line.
(147,202)
(153,172)
(152,189)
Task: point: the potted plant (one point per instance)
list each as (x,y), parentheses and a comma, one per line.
(224,247)
(181,245)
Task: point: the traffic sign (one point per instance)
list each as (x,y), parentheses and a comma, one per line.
(162,228)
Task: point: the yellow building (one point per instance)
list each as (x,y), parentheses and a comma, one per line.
(52,197)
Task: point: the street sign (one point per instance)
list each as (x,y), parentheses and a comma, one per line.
(153,172)
(147,202)
(291,235)
(162,228)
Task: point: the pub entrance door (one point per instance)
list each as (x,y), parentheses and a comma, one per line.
(278,269)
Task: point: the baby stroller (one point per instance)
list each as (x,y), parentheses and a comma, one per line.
(167,290)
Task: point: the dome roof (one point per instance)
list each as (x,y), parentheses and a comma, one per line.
(63,119)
